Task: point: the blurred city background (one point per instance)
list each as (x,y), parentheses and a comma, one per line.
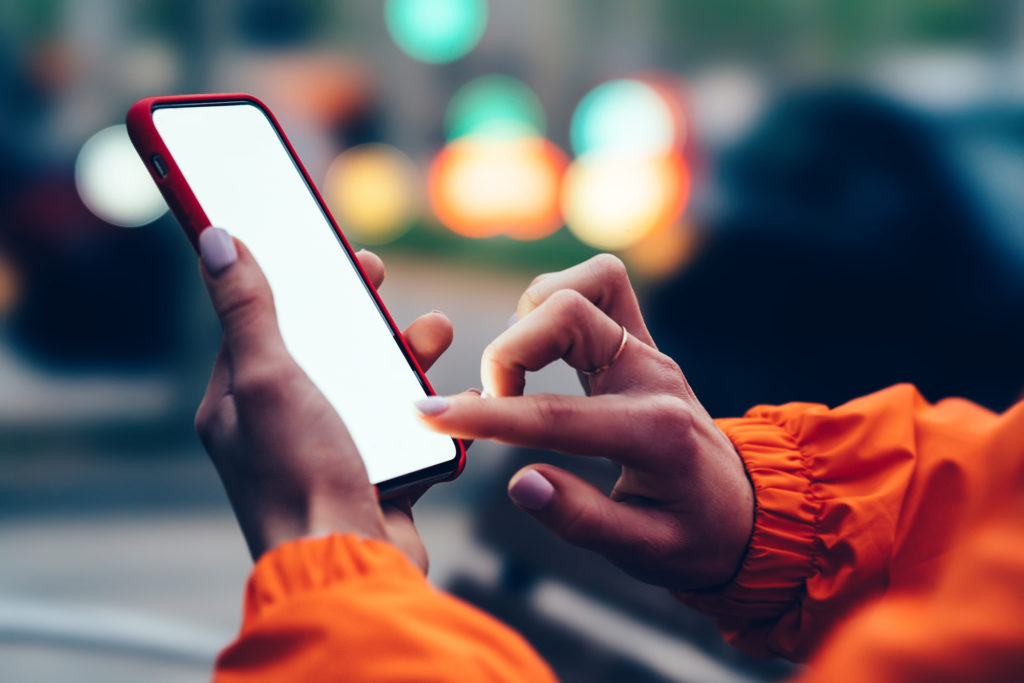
(815,198)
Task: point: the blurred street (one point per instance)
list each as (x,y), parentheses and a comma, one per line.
(813,201)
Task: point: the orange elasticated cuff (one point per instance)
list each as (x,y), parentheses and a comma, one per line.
(781,553)
(312,564)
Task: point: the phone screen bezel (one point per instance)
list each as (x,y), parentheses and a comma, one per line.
(173,186)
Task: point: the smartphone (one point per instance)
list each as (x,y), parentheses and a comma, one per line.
(223,160)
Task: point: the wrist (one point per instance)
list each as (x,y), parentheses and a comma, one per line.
(272,525)
(771,577)
(734,534)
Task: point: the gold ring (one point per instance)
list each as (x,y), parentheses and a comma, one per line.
(622,347)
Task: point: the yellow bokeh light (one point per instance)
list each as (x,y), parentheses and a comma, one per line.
(612,202)
(481,187)
(663,252)
(373,192)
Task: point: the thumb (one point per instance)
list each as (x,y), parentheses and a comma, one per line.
(578,512)
(241,297)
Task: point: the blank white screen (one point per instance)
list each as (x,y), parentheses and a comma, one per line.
(243,177)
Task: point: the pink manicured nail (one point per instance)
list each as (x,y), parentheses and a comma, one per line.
(217,249)
(431,405)
(531,490)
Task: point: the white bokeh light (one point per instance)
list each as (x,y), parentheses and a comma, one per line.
(612,202)
(113,182)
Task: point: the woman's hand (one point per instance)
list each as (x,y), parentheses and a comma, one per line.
(681,512)
(287,461)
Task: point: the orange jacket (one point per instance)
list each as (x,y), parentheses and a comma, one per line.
(890,526)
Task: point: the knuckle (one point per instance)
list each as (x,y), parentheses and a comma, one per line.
(662,374)
(500,357)
(208,423)
(666,362)
(537,280)
(569,304)
(532,297)
(668,415)
(267,384)
(203,422)
(494,354)
(666,366)
(609,267)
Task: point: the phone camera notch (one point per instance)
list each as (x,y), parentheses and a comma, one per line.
(160,166)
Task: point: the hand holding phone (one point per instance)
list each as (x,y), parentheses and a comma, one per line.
(287,461)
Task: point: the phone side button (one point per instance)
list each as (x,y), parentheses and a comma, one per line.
(160,166)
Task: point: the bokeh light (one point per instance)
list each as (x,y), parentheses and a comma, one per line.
(726,100)
(373,190)
(113,182)
(625,117)
(494,106)
(674,92)
(612,201)
(436,31)
(482,187)
(664,251)
(10,285)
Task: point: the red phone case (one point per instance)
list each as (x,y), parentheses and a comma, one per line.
(185,207)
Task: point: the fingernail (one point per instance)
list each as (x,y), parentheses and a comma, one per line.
(512,320)
(431,405)
(531,490)
(217,249)
(437,311)
(485,394)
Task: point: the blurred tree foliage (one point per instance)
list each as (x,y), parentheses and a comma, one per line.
(832,32)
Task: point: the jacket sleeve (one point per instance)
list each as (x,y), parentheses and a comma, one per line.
(851,503)
(967,628)
(343,608)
